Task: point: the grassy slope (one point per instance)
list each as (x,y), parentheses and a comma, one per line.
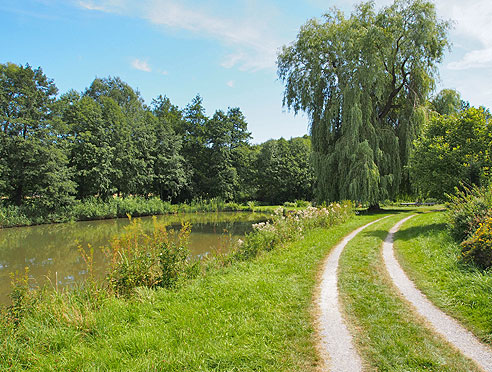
(431,258)
(388,334)
(253,316)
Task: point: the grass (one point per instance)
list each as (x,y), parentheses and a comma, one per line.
(431,259)
(388,334)
(250,316)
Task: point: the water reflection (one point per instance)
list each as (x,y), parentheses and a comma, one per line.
(50,251)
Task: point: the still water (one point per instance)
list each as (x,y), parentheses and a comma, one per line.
(51,251)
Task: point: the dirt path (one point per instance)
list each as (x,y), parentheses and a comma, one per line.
(336,346)
(449,328)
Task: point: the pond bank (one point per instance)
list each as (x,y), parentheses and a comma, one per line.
(252,314)
(119,207)
(51,251)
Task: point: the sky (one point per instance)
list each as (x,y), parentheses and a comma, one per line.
(224,50)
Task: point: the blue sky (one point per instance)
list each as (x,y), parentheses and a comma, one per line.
(224,50)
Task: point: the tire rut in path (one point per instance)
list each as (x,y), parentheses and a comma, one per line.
(338,352)
(443,324)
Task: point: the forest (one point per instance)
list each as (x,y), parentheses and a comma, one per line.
(56,150)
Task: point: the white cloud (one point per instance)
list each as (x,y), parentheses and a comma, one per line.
(230,83)
(141,65)
(473,20)
(109,6)
(474,59)
(248,38)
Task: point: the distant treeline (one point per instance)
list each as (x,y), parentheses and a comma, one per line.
(106,141)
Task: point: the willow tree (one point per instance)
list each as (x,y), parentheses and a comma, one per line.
(362,81)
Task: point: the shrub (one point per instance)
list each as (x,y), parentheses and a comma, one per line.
(94,208)
(13,216)
(22,297)
(478,247)
(137,258)
(302,203)
(286,226)
(468,209)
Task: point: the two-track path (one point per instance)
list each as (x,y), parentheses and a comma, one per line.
(338,351)
(336,342)
(443,324)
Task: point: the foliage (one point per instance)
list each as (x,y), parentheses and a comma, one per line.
(452,149)
(448,102)
(34,162)
(284,170)
(103,153)
(12,215)
(478,247)
(362,81)
(468,208)
(150,260)
(470,213)
(22,297)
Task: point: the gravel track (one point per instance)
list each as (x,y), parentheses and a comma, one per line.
(443,324)
(338,351)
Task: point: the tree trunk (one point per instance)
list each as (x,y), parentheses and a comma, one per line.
(374,208)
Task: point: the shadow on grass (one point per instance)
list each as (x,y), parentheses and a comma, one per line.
(410,233)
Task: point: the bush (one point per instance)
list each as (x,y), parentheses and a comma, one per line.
(478,247)
(13,216)
(137,258)
(286,226)
(468,209)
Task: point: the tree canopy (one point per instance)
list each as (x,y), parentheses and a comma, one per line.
(452,150)
(362,80)
(105,141)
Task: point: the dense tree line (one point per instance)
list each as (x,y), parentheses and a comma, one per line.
(106,141)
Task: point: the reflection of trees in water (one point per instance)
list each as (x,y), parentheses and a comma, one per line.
(50,249)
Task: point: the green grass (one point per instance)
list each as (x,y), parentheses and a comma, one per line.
(250,316)
(431,258)
(389,336)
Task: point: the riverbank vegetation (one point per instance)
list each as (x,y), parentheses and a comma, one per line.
(247,310)
(93,208)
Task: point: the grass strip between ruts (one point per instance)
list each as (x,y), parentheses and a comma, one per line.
(252,316)
(431,259)
(388,334)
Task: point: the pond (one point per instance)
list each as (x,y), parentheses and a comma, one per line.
(51,251)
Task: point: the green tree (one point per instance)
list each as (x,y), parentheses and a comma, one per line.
(226,134)
(92,150)
(34,162)
(447,102)
(171,176)
(123,94)
(362,80)
(452,149)
(194,150)
(284,170)
(127,124)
